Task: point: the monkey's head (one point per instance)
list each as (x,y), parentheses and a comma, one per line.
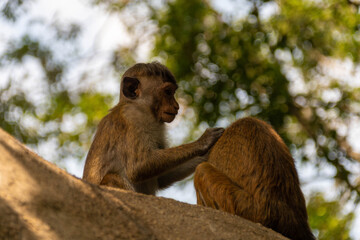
(153,86)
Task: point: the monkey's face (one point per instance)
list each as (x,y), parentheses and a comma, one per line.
(154,94)
(168,106)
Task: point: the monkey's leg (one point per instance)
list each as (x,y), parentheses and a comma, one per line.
(216,190)
(113,180)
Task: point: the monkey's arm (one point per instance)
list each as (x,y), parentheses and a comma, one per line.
(181,172)
(216,190)
(152,163)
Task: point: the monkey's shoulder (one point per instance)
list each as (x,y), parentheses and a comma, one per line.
(113,120)
(110,134)
(252,130)
(250,123)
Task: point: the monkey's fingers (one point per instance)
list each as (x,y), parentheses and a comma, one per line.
(219,131)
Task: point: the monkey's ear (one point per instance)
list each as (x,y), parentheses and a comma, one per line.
(130,87)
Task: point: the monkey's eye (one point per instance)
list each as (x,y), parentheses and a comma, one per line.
(168,92)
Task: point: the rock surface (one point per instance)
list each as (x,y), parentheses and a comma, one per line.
(38,200)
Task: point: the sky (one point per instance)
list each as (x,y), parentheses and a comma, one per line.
(105,32)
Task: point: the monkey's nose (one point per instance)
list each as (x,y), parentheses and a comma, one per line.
(176,106)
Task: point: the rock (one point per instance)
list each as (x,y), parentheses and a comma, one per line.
(38,200)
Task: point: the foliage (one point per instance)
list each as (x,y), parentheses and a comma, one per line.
(37,101)
(327,220)
(274,68)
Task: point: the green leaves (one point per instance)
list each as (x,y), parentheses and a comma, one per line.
(327,218)
(265,66)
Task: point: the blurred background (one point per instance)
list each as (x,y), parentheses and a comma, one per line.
(292,63)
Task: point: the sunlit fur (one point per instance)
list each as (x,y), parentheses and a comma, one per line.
(250,173)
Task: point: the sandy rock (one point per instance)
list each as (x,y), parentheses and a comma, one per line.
(38,200)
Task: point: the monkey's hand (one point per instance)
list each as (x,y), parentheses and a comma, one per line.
(200,159)
(209,138)
(206,155)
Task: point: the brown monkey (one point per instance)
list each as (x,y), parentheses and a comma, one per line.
(251,173)
(129,149)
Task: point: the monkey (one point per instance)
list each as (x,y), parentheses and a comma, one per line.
(251,173)
(129,150)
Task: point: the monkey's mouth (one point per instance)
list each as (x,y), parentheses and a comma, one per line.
(171,114)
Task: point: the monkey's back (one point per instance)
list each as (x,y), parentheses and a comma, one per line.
(257,160)
(250,147)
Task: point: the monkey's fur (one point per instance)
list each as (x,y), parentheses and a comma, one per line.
(251,173)
(129,149)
